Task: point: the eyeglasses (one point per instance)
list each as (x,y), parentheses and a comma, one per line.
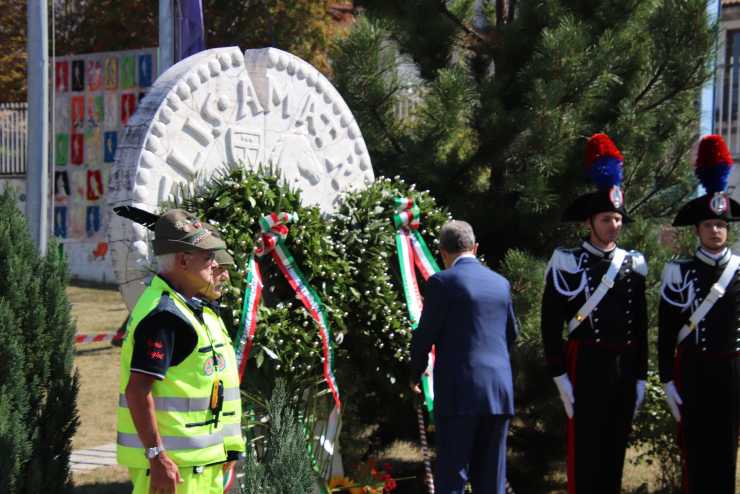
(209,257)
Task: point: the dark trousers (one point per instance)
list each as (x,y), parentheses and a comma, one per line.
(708,430)
(604,389)
(471,448)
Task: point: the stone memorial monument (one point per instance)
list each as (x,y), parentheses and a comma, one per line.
(221,107)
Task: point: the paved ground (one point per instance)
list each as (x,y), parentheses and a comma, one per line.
(84,460)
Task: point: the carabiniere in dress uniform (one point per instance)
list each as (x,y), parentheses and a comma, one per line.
(699,332)
(597,291)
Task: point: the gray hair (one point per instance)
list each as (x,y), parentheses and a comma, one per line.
(166,263)
(456,236)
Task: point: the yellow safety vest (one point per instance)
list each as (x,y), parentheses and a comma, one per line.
(232,411)
(182,399)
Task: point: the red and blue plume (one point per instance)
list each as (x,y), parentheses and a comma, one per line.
(603,162)
(713,163)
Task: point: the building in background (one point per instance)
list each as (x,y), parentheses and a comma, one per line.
(13,139)
(727,80)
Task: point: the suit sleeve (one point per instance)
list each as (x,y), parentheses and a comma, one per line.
(641,331)
(433,317)
(552,322)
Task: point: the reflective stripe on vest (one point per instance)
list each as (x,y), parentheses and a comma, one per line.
(231,415)
(174,443)
(185,404)
(182,410)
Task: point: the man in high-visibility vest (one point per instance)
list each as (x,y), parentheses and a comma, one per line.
(232,409)
(173,386)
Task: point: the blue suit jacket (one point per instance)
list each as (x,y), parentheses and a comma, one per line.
(468,315)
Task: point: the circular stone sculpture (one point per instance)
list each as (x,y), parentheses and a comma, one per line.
(217,107)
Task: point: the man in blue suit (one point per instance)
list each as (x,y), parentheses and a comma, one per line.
(468,316)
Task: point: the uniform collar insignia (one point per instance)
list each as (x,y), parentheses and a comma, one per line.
(591,248)
(707,259)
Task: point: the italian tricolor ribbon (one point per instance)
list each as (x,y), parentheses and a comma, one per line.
(245,332)
(413,251)
(274,231)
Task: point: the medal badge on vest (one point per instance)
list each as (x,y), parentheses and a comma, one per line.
(209,367)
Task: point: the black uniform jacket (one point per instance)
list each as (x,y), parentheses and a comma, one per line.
(686,282)
(619,321)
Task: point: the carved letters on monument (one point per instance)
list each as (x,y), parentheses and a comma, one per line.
(266,107)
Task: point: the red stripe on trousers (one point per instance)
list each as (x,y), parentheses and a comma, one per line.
(572,361)
(679,426)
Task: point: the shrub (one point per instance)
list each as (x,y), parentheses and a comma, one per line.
(38,386)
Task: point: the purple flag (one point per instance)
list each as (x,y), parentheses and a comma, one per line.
(192,36)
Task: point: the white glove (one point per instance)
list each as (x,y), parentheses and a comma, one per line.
(566,393)
(673,399)
(639,395)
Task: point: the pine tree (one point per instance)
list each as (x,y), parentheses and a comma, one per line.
(38,385)
(508,98)
(507,93)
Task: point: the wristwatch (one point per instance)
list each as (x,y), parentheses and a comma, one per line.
(152,453)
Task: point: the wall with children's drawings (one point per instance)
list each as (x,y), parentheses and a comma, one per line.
(94,96)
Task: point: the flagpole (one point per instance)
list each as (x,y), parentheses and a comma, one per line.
(166,35)
(37,168)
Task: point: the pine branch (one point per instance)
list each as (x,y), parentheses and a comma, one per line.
(650,84)
(443,8)
(384,128)
(659,184)
(672,94)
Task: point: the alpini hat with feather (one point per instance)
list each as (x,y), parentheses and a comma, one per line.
(604,163)
(712,168)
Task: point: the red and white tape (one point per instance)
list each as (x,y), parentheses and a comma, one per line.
(81,339)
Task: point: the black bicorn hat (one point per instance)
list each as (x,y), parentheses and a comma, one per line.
(712,168)
(604,164)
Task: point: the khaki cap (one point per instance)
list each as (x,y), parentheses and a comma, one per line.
(179,231)
(223,258)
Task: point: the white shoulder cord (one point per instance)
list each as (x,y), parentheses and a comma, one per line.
(686,285)
(558,278)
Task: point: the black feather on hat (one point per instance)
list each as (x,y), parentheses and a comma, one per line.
(712,168)
(604,163)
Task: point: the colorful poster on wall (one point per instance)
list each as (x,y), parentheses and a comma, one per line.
(61,78)
(61,186)
(94,75)
(60,221)
(128,72)
(109,151)
(78,112)
(145,70)
(94,185)
(110,68)
(61,147)
(96,94)
(128,107)
(78,75)
(77,154)
(95,110)
(92,220)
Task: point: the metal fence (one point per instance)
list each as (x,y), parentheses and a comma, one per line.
(13,138)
